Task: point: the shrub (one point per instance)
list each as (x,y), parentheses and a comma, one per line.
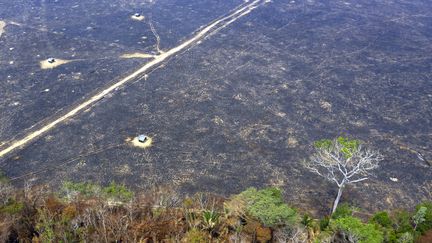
(267,205)
(307,221)
(45,227)
(324,223)
(85,189)
(12,207)
(195,236)
(3,177)
(426,224)
(113,191)
(117,192)
(406,237)
(419,216)
(6,190)
(210,219)
(69,212)
(353,228)
(342,211)
(402,221)
(382,218)
(389,234)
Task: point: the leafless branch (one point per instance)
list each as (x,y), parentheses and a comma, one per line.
(334,164)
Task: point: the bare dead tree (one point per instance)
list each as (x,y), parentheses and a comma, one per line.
(6,192)
(343,161)
(296,234)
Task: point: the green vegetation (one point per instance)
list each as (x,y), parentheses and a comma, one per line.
(267,205)
(210,219)
(342,161)
(406,237)
(114,191)
(382,218)
(419,216)
(84,189)
(424,220)
(12,207)
(117,192)
(254,215)
(3,178)
(353,228)
(307,221)
(385,223)
(348,146)
(342,211)
(324,223)
(402,221)
(89,212)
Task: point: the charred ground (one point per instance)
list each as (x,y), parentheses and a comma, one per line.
(241,109)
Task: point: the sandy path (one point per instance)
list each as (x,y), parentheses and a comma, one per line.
(157,37)
(2,26)
(137,55)
(158,59)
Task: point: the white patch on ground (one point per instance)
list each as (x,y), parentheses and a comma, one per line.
(15,23)
(137,55)
(2,26)
(394,179)
(140,18)
(292,142)
(217,120)
(46,65)
(139,144)
(325,105)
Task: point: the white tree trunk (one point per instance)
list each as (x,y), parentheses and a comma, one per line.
(336,202)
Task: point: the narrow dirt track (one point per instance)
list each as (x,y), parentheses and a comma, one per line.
(216,25)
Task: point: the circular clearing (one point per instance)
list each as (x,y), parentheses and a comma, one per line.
(147,143)
(138,17)
(52,63)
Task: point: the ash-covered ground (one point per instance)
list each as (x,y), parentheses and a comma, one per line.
(239,109)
